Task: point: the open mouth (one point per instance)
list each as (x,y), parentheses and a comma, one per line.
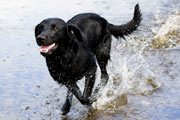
(48,49)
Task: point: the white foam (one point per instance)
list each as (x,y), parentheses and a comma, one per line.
(130,74)
(169,32)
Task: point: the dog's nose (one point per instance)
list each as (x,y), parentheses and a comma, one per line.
(41,38)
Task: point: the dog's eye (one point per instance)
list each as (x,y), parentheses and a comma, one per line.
(53,27)
(40,29)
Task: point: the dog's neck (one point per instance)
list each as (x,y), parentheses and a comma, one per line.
(61,60)
(64,51)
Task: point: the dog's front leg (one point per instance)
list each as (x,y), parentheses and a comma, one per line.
(73,87)
(67,105)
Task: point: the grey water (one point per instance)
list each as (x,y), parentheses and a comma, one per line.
(29,93)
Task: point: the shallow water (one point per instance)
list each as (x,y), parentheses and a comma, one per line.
(144,74)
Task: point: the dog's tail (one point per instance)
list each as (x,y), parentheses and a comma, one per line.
(125,29)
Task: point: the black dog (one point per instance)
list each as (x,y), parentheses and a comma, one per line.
(72,48)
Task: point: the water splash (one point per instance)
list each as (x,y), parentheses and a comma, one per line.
(130,74)
(169,33)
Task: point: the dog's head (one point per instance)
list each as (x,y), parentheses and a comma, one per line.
(52,32)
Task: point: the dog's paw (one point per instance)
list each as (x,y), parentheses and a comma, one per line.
(65,108)
(64,111)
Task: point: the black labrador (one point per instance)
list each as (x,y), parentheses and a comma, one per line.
(72,48)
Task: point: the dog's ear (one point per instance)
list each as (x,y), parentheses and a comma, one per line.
(36,30)
(75,31)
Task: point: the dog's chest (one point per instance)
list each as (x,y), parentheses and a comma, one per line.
(62,70)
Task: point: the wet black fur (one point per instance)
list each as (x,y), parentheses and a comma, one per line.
(81,41)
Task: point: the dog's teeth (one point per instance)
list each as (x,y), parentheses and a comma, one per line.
(46,50)
(53,45)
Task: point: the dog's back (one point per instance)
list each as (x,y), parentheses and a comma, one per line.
(95,27)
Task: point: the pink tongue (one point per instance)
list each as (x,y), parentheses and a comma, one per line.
(46,47)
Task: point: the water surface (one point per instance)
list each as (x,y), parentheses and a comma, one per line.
(145,73)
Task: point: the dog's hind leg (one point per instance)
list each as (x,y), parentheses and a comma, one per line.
(67,105)
(89,83)
(103,55)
